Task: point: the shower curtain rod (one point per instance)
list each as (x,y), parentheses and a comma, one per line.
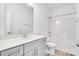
(64,14)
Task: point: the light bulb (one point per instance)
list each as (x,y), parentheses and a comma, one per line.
(57,22)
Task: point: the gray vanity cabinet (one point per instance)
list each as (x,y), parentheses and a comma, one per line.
(32,48)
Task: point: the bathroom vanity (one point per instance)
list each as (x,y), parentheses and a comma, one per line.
(34,45)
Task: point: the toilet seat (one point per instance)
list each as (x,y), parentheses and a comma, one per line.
(51,44)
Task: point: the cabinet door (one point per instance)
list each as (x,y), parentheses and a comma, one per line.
(29,53)
(42,50)
(36,52)
(33,52)
(31,47)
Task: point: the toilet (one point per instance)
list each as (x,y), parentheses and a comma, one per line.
(51,48)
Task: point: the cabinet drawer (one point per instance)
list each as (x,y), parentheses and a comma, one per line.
(16,51)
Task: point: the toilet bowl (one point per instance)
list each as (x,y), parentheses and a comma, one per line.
(51,48)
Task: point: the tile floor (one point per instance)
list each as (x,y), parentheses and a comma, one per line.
(60,53)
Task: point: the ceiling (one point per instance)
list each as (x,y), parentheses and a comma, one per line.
(56,5)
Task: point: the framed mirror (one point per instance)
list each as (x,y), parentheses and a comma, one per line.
(19,18)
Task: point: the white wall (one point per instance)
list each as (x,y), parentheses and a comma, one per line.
(41,13)
(77,24)
(2,19)
(64,33)
(71,8)
(16,16)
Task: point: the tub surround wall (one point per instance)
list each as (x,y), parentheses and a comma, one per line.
(64,33)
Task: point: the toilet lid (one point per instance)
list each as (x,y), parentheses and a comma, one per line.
(51,44)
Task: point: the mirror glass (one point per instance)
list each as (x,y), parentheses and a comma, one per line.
(19,18)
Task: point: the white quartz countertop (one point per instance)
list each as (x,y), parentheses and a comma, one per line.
(12,42)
